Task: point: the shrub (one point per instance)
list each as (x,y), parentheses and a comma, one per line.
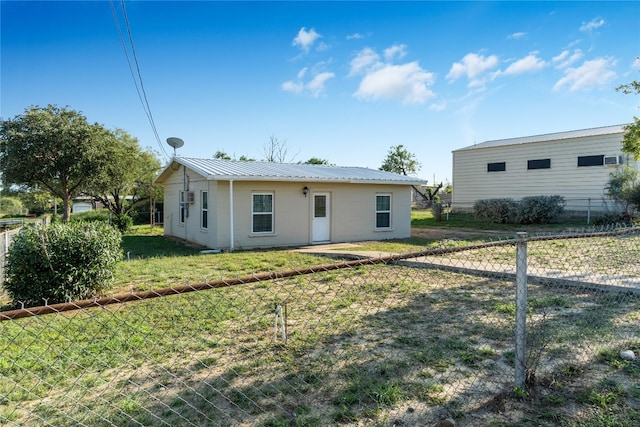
(529,210)
(61,262)
(540,209)
(496,210)
(436,210)
(94,215)
(122,222)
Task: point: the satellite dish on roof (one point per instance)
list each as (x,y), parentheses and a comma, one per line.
(175,143)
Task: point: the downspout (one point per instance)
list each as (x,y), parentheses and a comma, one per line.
(231,237)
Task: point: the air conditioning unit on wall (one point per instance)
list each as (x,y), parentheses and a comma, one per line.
(191,197)
(612,160)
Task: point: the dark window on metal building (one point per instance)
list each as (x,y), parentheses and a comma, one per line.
(539,164)
(496,167)
(591,160)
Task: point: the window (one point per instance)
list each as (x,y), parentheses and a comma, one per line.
(205,210)
(496,167)
(262,213)
(591,160)
(383,211)
(539,164)
(320,206)
(184,213)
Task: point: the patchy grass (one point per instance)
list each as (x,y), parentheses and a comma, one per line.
(375,345)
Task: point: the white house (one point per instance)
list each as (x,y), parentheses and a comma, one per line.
(229,205)
(574,164)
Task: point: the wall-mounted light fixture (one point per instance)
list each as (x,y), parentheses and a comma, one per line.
(305,190)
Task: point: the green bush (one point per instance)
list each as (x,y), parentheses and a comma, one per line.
(501,211)
(540,209)
(436,210)
(61,262)
(122,222)
(529,210)
(93,215)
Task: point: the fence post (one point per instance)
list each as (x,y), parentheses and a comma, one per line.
(521,308)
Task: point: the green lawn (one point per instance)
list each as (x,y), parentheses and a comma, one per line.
(376,346)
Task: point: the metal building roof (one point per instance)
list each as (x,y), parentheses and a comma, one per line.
(605,130)
(217,169)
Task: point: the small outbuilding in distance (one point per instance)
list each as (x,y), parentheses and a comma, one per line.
(227,205)
(574,164)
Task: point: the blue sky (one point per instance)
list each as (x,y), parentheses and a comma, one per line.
(342,81)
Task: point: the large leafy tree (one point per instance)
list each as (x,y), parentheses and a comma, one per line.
(52,148)
(631,138)
(400,160)
(126,174)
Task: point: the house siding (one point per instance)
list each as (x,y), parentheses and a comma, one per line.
(352,211)
(582,187)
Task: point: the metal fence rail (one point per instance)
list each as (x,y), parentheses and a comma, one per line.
(404,339)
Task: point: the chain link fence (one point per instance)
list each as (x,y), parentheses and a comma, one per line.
(381,340)
(6,237)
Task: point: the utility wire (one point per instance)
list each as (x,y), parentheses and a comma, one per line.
(142,94)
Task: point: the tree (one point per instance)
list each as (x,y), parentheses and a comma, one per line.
(221,155)
(276,151)
(401,161)
(623,187)
(631,138)
(11,206)
(51,148)
(125,176)
(316,161)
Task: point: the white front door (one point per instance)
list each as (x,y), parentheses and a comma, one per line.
(320,218)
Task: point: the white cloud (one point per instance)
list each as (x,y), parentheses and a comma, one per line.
(636,64)
(315,87)
(590,74)
(516,36)
(305,38)
(473,66)
(396,51)
(363,59)
(527,64)
(439,106)
(293,87)
(566,58)
(408,83)
(354,36)
(594,24)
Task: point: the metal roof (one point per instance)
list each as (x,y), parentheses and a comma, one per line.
(605,130)
(217,169)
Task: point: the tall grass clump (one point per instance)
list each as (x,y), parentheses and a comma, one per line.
(63,261)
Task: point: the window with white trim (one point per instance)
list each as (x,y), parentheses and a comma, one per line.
(204,216)
(383,210)
(262,213)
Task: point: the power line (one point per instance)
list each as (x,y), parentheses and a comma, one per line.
(142,94)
